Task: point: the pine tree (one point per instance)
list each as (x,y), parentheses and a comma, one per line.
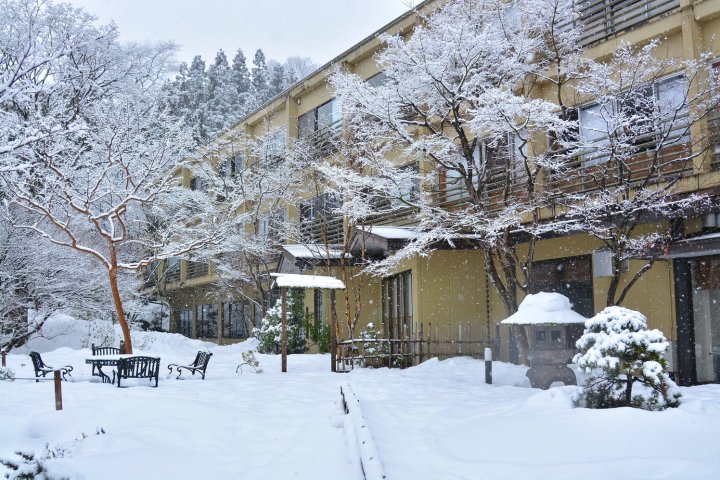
(260,77)
(278,80)
(618,352)
(241,74)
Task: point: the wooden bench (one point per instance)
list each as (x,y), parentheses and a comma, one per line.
(41,368)
(137,367)
(199,365)
(102,351)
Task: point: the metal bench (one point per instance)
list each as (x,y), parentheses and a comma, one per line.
(41,368)
(199,365)
(102,351)
(137,367)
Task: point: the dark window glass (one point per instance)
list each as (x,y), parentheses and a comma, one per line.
(207,317)
(306,123)
(571,277)
(236,320)
(186,323)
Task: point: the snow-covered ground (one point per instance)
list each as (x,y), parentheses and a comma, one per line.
(435,421)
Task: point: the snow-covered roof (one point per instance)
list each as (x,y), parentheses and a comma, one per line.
(291,280)
(545,308)
(315,251)
(392,233)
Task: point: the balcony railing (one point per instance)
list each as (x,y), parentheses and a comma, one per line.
(197,269)
(715,140)
(603,18)
(322,230)
(671,162)
(325,140)
(172,275)
(498,189)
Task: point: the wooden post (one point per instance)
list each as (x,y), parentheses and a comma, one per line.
(3,354)
(333,333)
(488,366)
(58,390)
(283,334)
(422,344)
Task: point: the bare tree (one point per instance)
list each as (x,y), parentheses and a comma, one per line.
(111,167)
(640,130)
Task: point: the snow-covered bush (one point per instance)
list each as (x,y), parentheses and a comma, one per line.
(250,361)
(374,351)
(270,330)
(318,332)
(618,352)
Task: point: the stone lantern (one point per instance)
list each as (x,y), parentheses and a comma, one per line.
(552,329)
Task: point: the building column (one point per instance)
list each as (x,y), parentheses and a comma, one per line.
(685,322)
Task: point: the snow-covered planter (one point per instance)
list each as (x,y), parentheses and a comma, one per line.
(618,353)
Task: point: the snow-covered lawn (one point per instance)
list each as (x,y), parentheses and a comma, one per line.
(436,421)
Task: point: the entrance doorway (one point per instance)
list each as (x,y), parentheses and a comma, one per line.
(706,317)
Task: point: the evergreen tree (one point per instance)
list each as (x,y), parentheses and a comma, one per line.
(260,77)
(618,352)
(241,74)
(269,333)
(278,80)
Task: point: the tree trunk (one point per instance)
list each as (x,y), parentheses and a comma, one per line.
(118,302)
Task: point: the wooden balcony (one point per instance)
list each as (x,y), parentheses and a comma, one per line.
(325,140)
(197,269)
(172,275)
(604,18)
(322,229)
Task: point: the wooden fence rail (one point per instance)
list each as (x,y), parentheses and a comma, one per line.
(444,342)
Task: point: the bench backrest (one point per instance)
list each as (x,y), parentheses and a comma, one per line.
(105,350)
(201,360)
(38,363)
(138,367)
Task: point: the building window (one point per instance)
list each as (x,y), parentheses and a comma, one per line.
(326,115)
(715,114)
(377,80)
(172,270)
(321,127)
(409,191)
(236,320)
(186,322)
(494,162)
(397,305)
(198,184)
(232,166)
(571,277)
(271,226)
(206,320)
(636,120)
(319,221)
(318,306)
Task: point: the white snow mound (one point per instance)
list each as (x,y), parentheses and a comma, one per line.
(544,307)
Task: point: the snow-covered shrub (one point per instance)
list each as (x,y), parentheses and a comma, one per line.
(374,351)
(618,352)
(270,330)
(249,360)
(318,332)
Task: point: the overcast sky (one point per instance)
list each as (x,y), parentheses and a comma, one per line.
(319,29)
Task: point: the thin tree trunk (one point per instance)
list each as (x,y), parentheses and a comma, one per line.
(118,302)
